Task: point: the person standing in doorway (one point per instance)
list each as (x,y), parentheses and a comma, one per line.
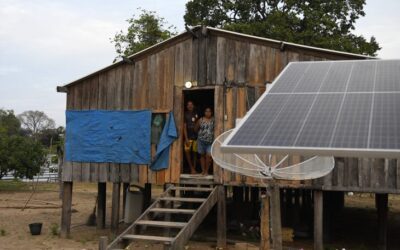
(205,128)
(190,136)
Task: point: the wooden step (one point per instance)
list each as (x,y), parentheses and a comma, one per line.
(183,199)
(173,210)
(196,179)
(166,240)
(158,223)
(197,189)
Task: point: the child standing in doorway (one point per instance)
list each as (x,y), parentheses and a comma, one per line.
(190,135)
(205,137)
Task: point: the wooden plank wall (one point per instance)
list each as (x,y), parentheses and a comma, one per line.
(362,175)
(251,65)
(155,82)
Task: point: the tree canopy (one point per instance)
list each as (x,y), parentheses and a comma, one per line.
(19,154)
(22,142)
(9,124)
(320,23)
(143,31)
(35,122)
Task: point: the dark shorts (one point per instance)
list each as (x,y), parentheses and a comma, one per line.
(203,148)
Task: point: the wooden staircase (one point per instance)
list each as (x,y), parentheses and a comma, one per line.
(166,213)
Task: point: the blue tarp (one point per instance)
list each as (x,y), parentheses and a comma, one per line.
(108,136)
(168,136)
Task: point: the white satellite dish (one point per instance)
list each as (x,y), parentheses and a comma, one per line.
(270,166)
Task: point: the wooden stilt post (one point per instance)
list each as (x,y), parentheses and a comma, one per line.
(255,198)
(146,196)
(167,216)
(101,205)
(115,207)
(238,202)
(103,242)
(66,209)
(59,175)
(125,187)
(264,224)
(221,218)
(318,220)
(328,216)
(276,225)
(382,207)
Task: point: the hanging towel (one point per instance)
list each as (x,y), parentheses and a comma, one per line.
(168,136)
(108,136)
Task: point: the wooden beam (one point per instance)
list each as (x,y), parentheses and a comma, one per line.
(62,89)
(146,196)
(221,218)
(382,207)
(186,232)
(66,209)
(276,225)
(264,224)
(103,243)
(167,217)
(115,207)
(173,210)
(101,205)
(159,223)
(318,220)
(119,239)
(125,189)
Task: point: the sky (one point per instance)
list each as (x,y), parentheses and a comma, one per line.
(48,43)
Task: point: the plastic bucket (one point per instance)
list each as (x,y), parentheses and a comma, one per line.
(35,228)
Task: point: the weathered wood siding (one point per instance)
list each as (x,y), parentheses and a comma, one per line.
(363,175)
(155,81)
(251,64)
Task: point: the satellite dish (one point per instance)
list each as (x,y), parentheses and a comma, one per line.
(270,166)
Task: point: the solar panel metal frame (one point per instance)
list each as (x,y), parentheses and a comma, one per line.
(323,151)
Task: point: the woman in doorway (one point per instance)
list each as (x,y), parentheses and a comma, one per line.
(205,137)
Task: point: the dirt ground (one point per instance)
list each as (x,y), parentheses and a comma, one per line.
(14,229)
(357,233)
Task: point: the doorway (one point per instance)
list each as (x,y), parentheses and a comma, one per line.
(202,99)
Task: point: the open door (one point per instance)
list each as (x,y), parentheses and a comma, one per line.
(201,99)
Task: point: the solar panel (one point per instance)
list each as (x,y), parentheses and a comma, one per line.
(338,108)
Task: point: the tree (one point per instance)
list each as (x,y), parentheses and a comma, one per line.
(49,137)
(9,123)
(326,24)
(146,30)
(36,122)
(22,156)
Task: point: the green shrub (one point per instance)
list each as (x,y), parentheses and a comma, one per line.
(54,229)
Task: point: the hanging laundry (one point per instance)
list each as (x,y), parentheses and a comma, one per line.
(168,136)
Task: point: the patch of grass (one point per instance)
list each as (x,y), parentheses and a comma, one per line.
(17,185)
(3,232)
(54,229)
(14,185)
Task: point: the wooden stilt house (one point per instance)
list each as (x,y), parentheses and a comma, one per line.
(228,71)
